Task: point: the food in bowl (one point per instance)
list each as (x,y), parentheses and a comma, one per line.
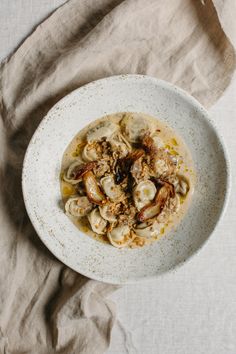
(126,179)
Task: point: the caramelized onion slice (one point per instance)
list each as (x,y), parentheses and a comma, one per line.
(82,169)
(153,209)
(94,193)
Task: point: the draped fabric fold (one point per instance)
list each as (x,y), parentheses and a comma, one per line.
(44,306)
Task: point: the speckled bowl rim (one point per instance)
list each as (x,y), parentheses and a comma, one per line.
(185,95)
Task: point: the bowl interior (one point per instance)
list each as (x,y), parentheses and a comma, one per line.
(42,167)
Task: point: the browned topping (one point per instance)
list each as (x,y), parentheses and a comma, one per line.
(94,193)
(82,169)
(140,170)
(142,159)
(161,162)
(101,168)
(148,144)
(153,209)
(135,155)
(126,213)
(106,149)
(123,165)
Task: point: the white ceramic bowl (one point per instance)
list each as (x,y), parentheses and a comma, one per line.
(41,171)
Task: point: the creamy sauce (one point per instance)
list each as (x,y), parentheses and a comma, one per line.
(172,142)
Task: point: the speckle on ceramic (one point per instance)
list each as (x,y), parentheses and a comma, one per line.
(41,187)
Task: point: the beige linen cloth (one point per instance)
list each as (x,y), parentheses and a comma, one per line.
(44,306)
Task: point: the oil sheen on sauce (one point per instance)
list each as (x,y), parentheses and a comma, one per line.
(172,142)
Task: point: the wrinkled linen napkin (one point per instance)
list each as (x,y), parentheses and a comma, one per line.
(44,306)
